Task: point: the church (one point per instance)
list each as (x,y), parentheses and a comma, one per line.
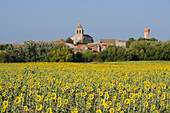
(80,36)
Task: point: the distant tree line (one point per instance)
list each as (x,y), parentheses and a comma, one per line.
(136,50)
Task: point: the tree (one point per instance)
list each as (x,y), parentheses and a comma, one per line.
(129,42)
(4,57)
(78,57)
(60,54)
(88,56)
(62,40)
(97,58)
(69,40)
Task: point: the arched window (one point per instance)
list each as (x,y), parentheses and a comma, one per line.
(79,31)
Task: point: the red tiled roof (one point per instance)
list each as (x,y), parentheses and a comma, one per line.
(16,45)
(80,45)
(59,41)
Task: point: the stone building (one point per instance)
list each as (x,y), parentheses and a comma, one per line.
(105,42)
(79,35)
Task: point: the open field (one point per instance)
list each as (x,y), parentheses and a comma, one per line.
(85,87)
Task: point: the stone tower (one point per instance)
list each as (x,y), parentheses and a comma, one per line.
(146,33)
(79,30)
(80,36)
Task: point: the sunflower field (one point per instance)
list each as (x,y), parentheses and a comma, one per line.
(119,87)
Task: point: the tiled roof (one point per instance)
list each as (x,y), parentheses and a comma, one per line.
(108,41)
(59,41)
(80,45)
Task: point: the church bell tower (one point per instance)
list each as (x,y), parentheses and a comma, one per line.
(79,30)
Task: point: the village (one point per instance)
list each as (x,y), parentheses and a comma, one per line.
(77,41)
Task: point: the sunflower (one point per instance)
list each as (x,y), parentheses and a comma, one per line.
(46,98)
(145,104)
(153,86)
(49,110)
(65,101)
(114,98)
(131,95)
(147,87)
(75,110)
(118,104)
(53,96)
(25,108)
(3,109)
(163,97)
(148,96)
(101,93)
(109,103)
(126,101)
(102,102)
(122,96)
(39,107)
(54,100)
(5,104)
(106,95)
(88,105)
(98,90)
(163,86)
(118,108)
(112,110)
(168,106)
(106,106)
(162,103)
(132,101)
(91,96)
(59,99)
(38,98)
(18,100)
(85,93)
(98,111)
(59,104)
(153,107)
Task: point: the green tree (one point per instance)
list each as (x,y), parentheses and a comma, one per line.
(129,42)
(60,54)
(69,40)
(88,56)
(4,57)
(62,40)
(78,57)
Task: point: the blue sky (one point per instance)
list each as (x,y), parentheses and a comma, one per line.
(51,20)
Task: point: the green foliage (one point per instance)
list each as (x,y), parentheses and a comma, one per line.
(142,49)
(69,40)
(129,42)
(113,53)
(97,58)
(149,50)
(3,47)
(4,57)
(60,53)
(63,40)
(88,56)
(151,39)
(29,51)
(78,57)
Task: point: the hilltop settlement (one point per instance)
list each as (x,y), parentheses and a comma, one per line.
(82,48)
(81,42)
